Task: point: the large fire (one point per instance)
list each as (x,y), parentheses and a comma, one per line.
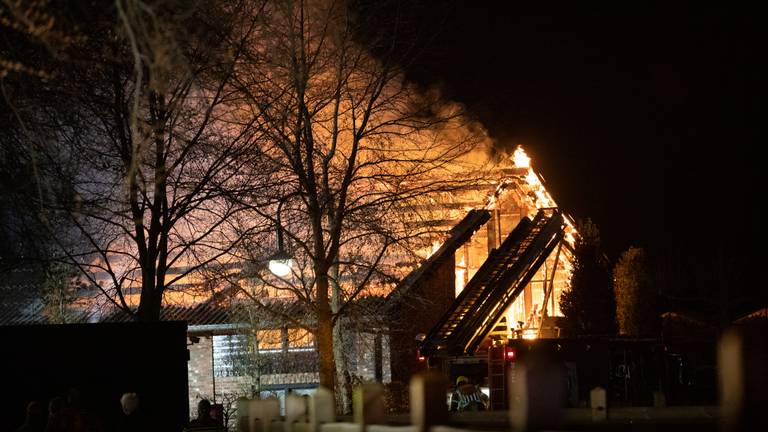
(520,158)
(520,191)
(535,184)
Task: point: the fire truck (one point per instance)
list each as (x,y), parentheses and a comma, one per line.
(465,340)
(634,371)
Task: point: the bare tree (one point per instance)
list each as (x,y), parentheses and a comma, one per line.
(188,136)
(351,149)
(140,127)
(34,42)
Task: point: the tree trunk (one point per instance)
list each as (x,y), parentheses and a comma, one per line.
(324,333)
(149,304)
(343,378)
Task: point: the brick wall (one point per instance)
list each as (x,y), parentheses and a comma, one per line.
(200,371)
(427,302)
(234,386)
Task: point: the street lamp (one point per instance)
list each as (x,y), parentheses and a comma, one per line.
(280,263)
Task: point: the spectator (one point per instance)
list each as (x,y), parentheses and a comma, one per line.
(34,421)
(133,419)
(57,419)
(217,414)
(77,418)
(203,422)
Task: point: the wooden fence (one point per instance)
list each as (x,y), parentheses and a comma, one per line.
(536,403)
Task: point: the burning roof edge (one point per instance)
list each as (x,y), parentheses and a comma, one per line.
(457,236)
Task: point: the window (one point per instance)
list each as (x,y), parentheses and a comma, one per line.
(231,355)
(270,339)
(299,339)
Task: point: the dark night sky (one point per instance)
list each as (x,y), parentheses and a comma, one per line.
(645,122)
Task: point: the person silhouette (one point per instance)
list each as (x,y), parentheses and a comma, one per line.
(204,422)
(34,421)
(57,419)
(133,419)
(217,413)
(77,417)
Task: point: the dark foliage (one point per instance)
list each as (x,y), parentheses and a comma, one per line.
(636,297)
(590,306)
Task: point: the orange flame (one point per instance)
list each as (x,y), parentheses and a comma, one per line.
(520,158)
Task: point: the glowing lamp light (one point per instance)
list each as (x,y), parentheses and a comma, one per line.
(280,268)
(280,264)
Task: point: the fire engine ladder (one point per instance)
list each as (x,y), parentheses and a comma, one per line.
(496,285)
(472,294)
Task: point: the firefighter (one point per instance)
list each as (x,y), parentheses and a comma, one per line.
(467,397)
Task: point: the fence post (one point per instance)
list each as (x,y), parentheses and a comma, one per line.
(743,365)
(261,412)
(242,415)
(537,394)
(428,400)
(295,410)
(368,404)
(598,403)
(321,409)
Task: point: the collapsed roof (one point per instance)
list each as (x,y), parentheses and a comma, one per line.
(496,285)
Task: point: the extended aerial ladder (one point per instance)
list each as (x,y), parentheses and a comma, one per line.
(495,286)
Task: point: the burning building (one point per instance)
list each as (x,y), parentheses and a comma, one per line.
(497,275)
(482,230)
